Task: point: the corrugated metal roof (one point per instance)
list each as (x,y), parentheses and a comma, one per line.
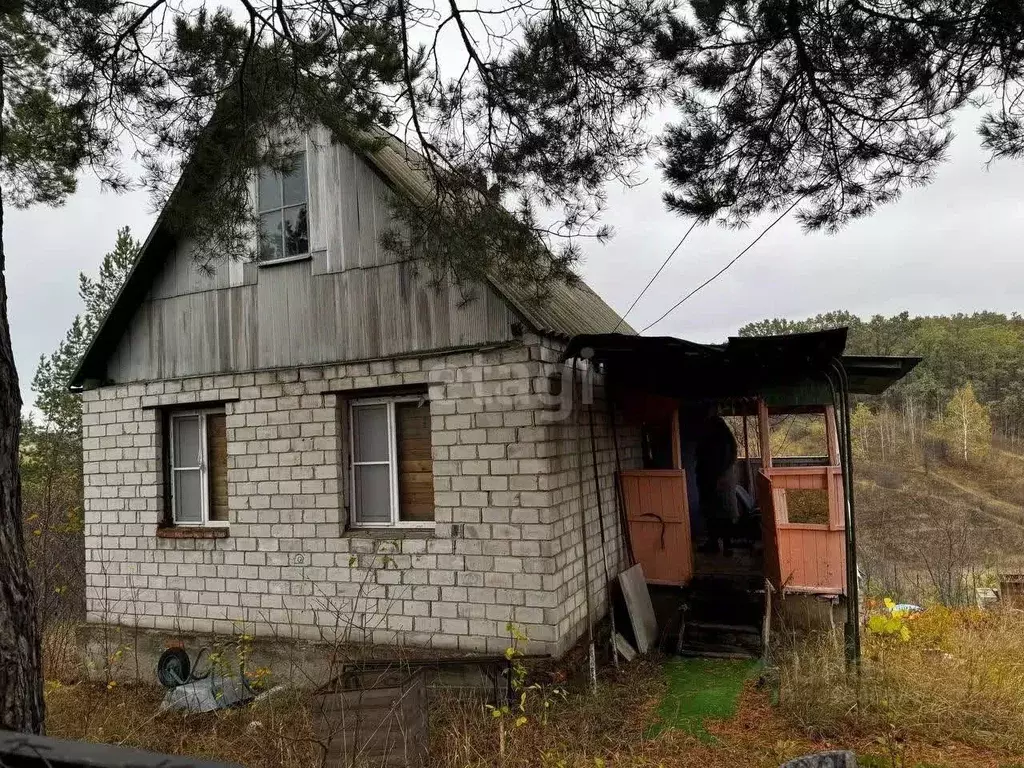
(566,309)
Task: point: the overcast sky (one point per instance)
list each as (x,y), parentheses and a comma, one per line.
(954,246)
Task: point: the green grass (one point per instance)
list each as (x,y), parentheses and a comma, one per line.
(700,689)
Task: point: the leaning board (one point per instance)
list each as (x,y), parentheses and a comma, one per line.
(640,608)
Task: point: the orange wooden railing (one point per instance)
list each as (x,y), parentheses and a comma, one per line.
(803,557)
(659,523)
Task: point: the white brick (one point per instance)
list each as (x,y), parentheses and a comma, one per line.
(494,473)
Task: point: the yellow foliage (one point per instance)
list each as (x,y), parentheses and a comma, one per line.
(941,673)
(890,625)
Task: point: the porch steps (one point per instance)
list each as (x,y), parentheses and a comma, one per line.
(723,615)
(699,654)
(714,640)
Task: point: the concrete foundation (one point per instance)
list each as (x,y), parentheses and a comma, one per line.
(804,613)
(126,654)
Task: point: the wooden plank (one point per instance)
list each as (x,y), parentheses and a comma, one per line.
(639,607)
(677,452)
(393,327)
(764,431)
(415,464)
(768,529)
(365,193)
(342,186)
(242,320)
(623,648)
(832,435)
(217,449)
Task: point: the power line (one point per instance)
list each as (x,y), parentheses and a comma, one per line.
(651,281)
(720,272)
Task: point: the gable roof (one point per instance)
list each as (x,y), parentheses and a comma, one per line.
(567,311)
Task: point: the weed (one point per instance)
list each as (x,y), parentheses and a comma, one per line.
(943,674)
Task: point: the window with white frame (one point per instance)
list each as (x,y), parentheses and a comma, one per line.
(197,467)
(392,466)
(283,200)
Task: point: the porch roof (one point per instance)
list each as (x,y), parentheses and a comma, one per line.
(791,369)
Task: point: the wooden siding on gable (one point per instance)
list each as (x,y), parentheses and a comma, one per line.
(181,275)
(350,301)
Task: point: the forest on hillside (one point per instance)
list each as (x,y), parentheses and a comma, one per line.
(938,458)
(985,349)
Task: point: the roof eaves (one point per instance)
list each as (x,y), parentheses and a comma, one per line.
(101,344)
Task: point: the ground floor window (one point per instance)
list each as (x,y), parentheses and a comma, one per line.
(392,468)
(198,467)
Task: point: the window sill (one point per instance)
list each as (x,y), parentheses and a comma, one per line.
(285,260)
(192,532)
(411,532)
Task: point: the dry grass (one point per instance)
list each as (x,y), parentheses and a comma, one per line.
(61,655)
(275,733)
(953,695)
(583,731)
(959,678)
(613,729)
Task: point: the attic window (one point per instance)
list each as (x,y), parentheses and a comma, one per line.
(283,200)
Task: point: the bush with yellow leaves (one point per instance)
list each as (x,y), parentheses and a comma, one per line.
(939,673)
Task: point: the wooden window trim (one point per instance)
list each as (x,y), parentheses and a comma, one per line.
(192,532)
(205,523)
(173,407)
(260,210)
(395,523)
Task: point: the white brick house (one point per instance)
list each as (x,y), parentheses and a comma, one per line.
(320,443)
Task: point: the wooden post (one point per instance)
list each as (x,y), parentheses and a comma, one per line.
(746,454)
(578,407)
(766,622)
(832,435)
(765,433)
(677,450)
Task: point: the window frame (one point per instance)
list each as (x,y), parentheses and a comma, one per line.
(204,469)
(260,211)
(392,462)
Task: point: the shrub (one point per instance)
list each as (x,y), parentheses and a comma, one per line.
(940,674)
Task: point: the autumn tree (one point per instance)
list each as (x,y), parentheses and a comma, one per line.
(966,426)
(862,426)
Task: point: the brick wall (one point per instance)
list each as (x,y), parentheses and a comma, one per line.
(573,445)
(506,545)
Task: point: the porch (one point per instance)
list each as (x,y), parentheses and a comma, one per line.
(772,521)
(798,551)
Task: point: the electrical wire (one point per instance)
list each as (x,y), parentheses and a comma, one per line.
(722,271)
(655,277)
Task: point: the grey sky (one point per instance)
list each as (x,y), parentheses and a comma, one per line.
(954,246)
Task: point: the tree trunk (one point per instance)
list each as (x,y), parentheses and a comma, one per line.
(963,409)
(21,674)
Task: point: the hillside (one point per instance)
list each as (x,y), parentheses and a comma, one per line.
(935,533)
(939,461)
